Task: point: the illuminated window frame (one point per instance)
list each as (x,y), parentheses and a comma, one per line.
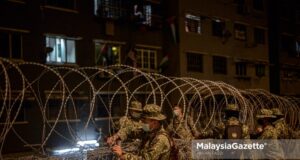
(192,20)
(98,48)
(146,59)
(65,53)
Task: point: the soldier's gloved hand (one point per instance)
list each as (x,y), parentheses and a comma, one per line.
(117,150)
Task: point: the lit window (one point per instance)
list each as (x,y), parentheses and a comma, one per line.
(219,65)
(260,70)
(195,62)
(68,4)
(107,53)
(146,59)
(241,69)
(218,28)
(148,14)
(112,9)
(11,45)
(259,36)
(240,31)
(63,50)
(143,14)
(192,23)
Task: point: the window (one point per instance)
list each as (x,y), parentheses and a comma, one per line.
(10,110)
(69,111)
(297,48)
(291,74)
(260,70)
(258,5)
(240,31)
(63,50)
(194,62)
(241,7)
(192,23)
(218,28)
(146,59)
(113,9)
(68,4)
(298,16)
(241,69)
(107,53)
(11,45)
(259,36)
(285,11)
(290,45)
(104,110)
(148,14)
(143,13)
(219,65)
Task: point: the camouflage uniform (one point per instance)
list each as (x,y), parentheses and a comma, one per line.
(155,144)
(129,125)
(232,121)
(280,124)
(183,129)
(272,151)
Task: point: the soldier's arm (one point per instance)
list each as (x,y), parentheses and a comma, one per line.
(193,128)
(159,146)
(130,129)
(269,133)
(245,132)
(170,127)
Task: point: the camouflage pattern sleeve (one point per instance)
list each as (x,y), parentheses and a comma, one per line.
(159,149)
(246,133)
(129,127)
(269,133)
(193,128)
(273,150)
(281,129)
(170,127)
(123,131)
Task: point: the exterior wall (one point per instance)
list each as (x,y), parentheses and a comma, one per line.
(284,21)
(233,49)
(34,21)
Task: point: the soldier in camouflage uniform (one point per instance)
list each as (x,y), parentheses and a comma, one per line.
(156,143)
(280,124)
(129,125)
(180,127)
(232,128)
(265,118)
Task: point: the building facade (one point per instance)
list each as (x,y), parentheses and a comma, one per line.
(284,47)
(221,40)
(73,33)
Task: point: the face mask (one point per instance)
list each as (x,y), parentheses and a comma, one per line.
(146,127)
(135,114)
